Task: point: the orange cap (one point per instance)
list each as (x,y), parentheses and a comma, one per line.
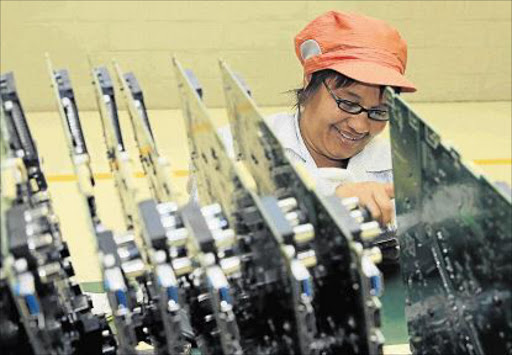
(360,47)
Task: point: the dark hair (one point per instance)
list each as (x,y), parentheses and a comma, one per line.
(303,95)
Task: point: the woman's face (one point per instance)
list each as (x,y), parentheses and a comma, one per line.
(331,134)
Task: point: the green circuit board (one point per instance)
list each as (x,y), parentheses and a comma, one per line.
(455,236)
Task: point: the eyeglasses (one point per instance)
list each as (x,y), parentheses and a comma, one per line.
(355,109)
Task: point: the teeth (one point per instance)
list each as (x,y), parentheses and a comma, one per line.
(344,135)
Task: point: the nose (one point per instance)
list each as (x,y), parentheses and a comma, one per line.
(359,123)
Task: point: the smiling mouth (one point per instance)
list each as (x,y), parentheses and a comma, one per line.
(350,138)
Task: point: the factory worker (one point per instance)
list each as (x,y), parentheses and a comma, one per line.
(348,59)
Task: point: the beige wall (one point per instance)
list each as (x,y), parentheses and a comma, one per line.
(459,50)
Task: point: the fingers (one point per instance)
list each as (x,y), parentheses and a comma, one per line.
(390,190)
(383,201)
(373,207)
(376,197)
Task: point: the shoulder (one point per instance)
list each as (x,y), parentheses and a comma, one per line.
(284,126)
(281,123)
(286,129)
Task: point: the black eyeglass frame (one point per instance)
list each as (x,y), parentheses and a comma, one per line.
(358,107)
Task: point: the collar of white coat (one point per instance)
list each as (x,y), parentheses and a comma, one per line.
(375,157)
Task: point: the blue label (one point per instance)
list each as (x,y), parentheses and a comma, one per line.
(306,287)
(121,298)
(33,306)
(172,293)
(224,294)
(375,283)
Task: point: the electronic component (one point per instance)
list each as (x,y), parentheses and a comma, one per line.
(276,224)
(202,234)
(46,311)
(261,263)
(338,240)
(455,233)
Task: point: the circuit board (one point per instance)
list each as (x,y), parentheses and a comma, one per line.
(455,236)
(266,311)
(337,233)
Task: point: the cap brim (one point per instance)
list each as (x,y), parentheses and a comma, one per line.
(373,73)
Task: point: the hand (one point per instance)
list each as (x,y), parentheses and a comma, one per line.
(375,196)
